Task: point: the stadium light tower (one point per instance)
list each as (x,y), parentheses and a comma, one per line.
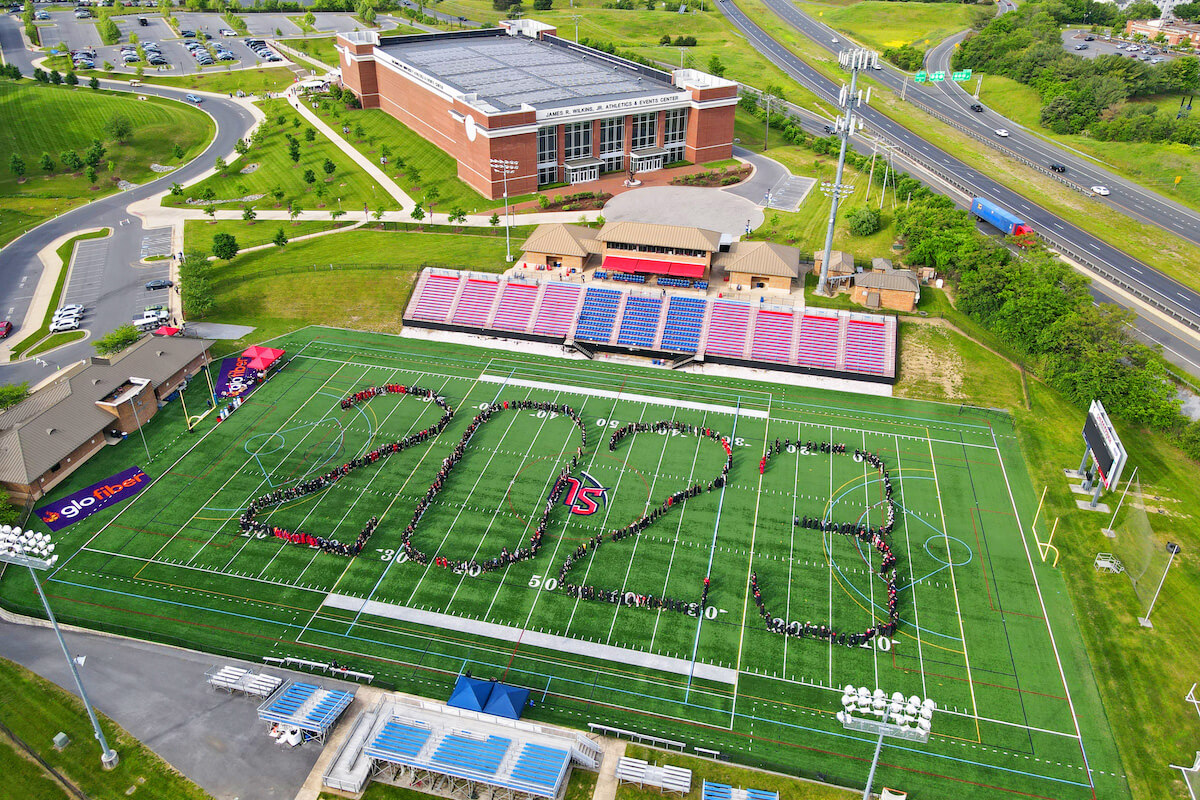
(900,717)
(854,60)
(505,168)
(36,551)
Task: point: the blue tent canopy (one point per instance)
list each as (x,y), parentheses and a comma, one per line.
(507,701)
(470,693)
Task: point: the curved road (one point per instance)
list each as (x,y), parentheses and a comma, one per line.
(1165,291)
(123,277)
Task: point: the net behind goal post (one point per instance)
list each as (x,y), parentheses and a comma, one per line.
(1141,551)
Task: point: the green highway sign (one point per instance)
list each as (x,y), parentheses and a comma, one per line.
(962,75)
(920,77)
(937,76)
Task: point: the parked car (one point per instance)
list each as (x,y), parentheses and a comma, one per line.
(1089,38)
(162,283)
(5,329)
(68,324)
(227,32)
(1081,47)
(187,34)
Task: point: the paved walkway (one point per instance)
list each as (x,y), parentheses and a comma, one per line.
(606,782)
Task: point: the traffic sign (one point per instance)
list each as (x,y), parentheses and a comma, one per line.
(937,76)
(921,77)
(962,75)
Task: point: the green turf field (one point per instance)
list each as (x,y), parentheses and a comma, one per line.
(1019,713)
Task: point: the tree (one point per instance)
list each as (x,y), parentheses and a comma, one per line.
(294,211)
(47,163)
(56,77)
(417,213)
(666,37)
(385,152)
(211,211)
(116,340)
(93,83)
(208,193)
(310,177)
(294,150)
(248,214)
(494,220)
(16,165)
(9,514)
(177,189)
(280,238)
(863,221)
(219,165)
(225,246)
(329,167)
(333,215)
(11,394)
(198,297)
(278,193)
(309,19)
(95,154)
(359,132)
(241,147)
(72,79)
(90,173)
(458,215)
(71,160)
(715,67)
(413,173)
(177,151)
(544,5)
(366,14)
(310,135)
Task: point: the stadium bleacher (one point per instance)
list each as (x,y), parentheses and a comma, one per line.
(475,302)
(866,346)
(516,306)
(540,765)
(557,311)
(819,341)
(685,319)
(598,314)
(728,328)
(639,323)
(722,791)
(398,739)
(772,339)
(436,296)
(307,707)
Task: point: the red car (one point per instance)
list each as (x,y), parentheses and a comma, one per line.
(5,328)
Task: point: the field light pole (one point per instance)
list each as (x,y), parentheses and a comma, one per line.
(505,168)
(899,717)
(853,60)
(1172,548)
(35,551)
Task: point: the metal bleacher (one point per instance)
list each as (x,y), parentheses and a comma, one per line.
(721,791)
(639,323)
(598,314)
(665,777)
(239,679)
(311,708)
(685,319)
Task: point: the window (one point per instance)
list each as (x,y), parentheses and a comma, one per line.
(645,131)
(612,143)
(578,136)
(547,174)
(675,134)
(547,155)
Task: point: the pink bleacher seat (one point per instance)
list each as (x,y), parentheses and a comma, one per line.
(558,309)
(819,341)
(727,329)
(866,347)
(436,298)
(475,302)
(516,304)
(772,336)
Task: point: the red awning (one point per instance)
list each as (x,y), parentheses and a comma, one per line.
(166,330)
(261,358)
(687,270)
(620,263)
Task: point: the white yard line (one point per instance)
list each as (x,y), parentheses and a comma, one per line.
(827,541)
(792,546)
(870,571)
(637,398)
(954,586)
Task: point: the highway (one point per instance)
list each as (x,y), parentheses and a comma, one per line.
(117,286)
(1162,291)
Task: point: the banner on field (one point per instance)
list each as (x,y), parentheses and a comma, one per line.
(235,379)
(97,497)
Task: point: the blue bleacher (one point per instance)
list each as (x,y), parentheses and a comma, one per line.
(398,739)
(472,754)
(329,708)
(292,698)
(597,315)
(628,277)
(540,765)
(685,317)
(639,323)
(717,791)
(761,794)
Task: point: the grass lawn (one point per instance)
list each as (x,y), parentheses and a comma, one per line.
(580,786)
(357,278)
(198,233)
(349,183)
(65,253)
(57,340)
(1152,165)
(883,24)
(19,770)
(319,47)
(729,774)
(40,118)
(252,80)
(38,710)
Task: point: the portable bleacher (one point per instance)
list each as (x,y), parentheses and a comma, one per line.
(772,340)
(557,311)
(866,346)
(666,777)
(311,708)
(721,791)
(516,306)
(238,679)
(819,341)
(435,295)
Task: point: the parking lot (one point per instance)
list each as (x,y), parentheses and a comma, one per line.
(1099,47)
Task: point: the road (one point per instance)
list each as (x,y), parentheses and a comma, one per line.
(1164,291)
(116,283)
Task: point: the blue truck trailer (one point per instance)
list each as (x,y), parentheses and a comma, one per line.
(991,213)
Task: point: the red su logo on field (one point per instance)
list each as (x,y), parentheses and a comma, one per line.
(582,496)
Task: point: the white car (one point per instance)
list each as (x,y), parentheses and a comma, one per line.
(73,308)
(65,324)
(227,32)
(1003,134)
(1100,190)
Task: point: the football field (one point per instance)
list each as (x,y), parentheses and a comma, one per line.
(984,626)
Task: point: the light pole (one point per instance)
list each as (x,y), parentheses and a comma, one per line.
(853,60)
(767,132)
(505,168)
(900,718)
(35,551)
(1172,548)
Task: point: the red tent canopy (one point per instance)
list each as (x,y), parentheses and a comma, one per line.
(166,330)
(652,266)
(261,358)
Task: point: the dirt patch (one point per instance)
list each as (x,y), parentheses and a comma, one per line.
(929,364)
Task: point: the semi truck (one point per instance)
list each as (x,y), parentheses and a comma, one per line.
(991,213)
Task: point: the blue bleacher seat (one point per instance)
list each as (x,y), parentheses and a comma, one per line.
(398,739)
(685,315)
(598,314)
(471,754)
(639,324)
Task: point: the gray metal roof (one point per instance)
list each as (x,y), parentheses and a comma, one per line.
(42,429)
(507,71)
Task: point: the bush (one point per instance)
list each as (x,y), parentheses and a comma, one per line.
(864,221)
(225,246)
(542,5)
(906,57)
(117,340)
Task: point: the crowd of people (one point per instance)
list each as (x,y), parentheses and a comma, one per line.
(474,567)
(875,536)
(631,598)
(249,522)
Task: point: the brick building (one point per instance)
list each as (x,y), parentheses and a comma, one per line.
(49,434)
(561,111)
(1175,32)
